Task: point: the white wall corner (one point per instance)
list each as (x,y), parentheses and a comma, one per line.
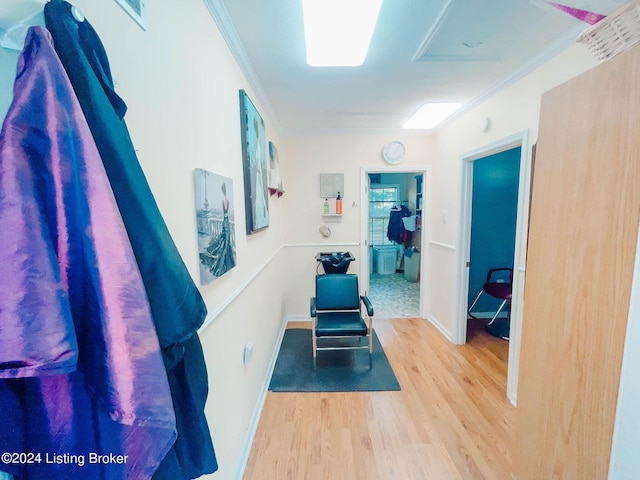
(447,334)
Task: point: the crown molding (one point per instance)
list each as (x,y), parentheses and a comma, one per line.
(522,71)
(221,17)
(362,132)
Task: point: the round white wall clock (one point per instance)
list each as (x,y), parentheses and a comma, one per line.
(394,152)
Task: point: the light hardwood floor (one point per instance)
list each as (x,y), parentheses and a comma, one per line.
(451,420)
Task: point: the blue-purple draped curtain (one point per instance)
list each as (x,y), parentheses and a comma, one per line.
(81,371)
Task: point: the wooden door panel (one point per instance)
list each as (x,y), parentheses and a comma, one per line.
(582,243)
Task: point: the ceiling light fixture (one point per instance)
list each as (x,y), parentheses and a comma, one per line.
(337,33)
(431,115)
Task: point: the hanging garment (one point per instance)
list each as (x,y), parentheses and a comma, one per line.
(395,230)
(176,305)
(70,286)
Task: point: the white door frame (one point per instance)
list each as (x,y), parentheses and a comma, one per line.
(520,139)
(426,223)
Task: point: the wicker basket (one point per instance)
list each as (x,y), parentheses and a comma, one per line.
(616,32)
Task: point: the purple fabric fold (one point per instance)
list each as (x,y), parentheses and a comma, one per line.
(583,15)
(78,349)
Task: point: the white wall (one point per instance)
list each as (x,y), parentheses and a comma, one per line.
(625,462)
(310,156)
(181,84)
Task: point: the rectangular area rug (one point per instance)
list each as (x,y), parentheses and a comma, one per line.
(336,370)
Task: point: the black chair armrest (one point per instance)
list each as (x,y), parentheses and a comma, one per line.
(312,306)
(367,303)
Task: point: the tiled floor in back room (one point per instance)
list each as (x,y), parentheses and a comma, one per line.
(394,297)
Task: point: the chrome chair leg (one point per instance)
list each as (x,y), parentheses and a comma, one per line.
(473,304)
(314,342)
(497,313)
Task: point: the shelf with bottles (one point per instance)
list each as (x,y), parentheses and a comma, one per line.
(329,216)
(332,208)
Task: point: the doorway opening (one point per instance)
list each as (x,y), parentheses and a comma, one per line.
(393,240)
(494,236)
(494,201)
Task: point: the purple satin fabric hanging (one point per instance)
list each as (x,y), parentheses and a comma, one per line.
(80,365)
(583,15)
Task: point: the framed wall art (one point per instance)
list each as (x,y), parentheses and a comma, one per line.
(275,180)
(135,9)
(254,158)
(215,214)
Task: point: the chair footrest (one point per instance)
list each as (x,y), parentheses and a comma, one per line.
(360,347)
(342,343)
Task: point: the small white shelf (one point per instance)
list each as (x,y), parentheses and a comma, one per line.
(332,217)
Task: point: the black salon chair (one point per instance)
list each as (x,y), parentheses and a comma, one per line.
(336,314)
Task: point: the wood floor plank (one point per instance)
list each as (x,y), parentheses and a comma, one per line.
(451,420)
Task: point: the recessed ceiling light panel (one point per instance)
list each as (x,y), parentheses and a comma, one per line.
(338,32)
(431,114)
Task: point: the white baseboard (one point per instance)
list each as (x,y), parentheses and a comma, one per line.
(257,412)
(297,318)
(434,321)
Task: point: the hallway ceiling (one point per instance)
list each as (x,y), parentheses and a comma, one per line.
(422,50)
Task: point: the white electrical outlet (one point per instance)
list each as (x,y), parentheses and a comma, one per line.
(248,351)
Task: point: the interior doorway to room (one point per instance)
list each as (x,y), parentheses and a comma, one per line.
(393,230)
(493,223)
(494,202)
